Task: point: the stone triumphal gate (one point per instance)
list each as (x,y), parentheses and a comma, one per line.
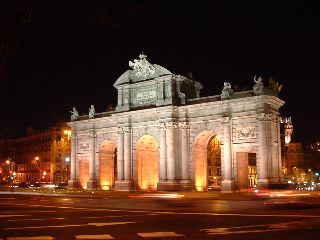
(163,136)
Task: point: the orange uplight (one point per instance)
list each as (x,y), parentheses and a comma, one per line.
(68,133)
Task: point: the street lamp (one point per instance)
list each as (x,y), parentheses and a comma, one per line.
(44,174)
(67,162)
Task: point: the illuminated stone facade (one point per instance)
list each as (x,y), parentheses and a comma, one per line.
(164,136)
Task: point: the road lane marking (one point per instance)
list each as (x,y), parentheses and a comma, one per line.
(109,223)
(13,215)
(34,219)
(69,225)
(160,234)
(101,236)
(264,227)
(30,211)
(31,238)
(242,214)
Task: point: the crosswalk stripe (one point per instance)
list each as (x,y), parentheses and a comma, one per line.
(159,234)
(101,236)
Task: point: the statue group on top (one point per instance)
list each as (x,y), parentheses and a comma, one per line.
(75,114)
(227,90)
(142,67)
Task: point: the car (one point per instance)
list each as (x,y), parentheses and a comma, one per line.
(24,185)
(62,185)
(36,185)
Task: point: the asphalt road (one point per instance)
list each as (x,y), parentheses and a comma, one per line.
(156,216)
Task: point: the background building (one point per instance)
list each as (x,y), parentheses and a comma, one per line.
(40,155)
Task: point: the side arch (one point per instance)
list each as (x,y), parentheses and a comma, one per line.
(201,159)
(107,165)
(147,163)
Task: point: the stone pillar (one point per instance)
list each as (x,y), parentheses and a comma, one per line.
(227,184)
(120,164)
(73,182)
(92,183)
(263,160)
(127,153)
(184,151)
(124,161)
(171,156)
(162,153)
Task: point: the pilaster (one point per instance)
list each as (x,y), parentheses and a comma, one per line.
(92,183)
(73,182)
(227,183)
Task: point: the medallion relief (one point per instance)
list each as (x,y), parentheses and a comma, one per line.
(246,132)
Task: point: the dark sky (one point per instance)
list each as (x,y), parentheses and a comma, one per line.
(71,52)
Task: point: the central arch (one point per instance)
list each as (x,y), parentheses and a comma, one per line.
(107,165)
(147,163)
(207,161)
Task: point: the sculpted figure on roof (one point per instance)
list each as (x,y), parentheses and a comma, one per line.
(142,67)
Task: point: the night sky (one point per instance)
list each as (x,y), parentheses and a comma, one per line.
(69,53)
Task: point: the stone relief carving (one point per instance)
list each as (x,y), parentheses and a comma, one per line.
(127,129)
(146,95)
(246,132)
(266,117)
(120,130)
(142,67)
(84,146)
(225,120)
(183,125)
(172,125)
(92,134)
(161,125)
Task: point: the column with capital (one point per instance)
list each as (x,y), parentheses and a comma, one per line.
(124,180)
(227,183)
(120,163)
(92,183)
(162,153)
(73,182)
(263,159)
(171,153)
(184,126)
(127,153)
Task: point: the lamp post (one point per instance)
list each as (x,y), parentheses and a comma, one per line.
(11,170)
(66,169)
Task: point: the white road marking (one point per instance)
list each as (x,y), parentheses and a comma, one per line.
(69,225)
(109,223)
(33,219)
(242,214)
(31,238)
(13,215)
(266,227)
(102,236)
(30,211)
(159,234)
